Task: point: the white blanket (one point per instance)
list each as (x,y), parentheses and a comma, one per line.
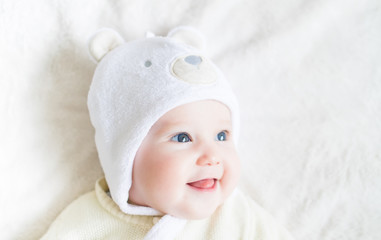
(307,74)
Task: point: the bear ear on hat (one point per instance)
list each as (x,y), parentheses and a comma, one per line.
(188,35)
(102,42)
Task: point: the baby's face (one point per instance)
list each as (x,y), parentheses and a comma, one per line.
(187,165)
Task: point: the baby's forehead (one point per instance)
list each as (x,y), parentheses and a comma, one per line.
(206,112)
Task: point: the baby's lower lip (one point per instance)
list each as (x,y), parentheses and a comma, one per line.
(204,184)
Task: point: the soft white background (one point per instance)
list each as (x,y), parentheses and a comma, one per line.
(307,74)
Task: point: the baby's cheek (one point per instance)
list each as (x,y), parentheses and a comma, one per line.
(166,187)
(237,164)
(232,177)
(231,174)
(166,173)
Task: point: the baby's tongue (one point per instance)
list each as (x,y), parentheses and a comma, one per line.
(205,183)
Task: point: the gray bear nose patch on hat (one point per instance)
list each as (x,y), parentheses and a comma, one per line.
(194,60)
(194,69)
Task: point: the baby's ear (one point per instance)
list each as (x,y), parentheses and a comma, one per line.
(188,35)
(102,42)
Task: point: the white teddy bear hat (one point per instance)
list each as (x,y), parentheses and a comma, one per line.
(137,82)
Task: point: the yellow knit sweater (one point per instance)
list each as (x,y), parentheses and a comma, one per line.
(95,216)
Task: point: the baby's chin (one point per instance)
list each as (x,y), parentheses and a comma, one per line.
(195,214)
(200,210)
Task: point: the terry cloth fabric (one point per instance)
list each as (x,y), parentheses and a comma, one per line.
(134,84)
(95,215)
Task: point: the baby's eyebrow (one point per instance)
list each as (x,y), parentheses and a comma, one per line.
(171,123)
(168,125)
(224,123)
(227,121)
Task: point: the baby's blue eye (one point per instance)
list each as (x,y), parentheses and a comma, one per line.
(181,137)
(221,136)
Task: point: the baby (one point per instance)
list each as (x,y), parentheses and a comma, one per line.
(166,126)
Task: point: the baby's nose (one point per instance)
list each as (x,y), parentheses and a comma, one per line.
(207,160)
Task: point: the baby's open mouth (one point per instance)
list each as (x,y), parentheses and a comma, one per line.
(204,184)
